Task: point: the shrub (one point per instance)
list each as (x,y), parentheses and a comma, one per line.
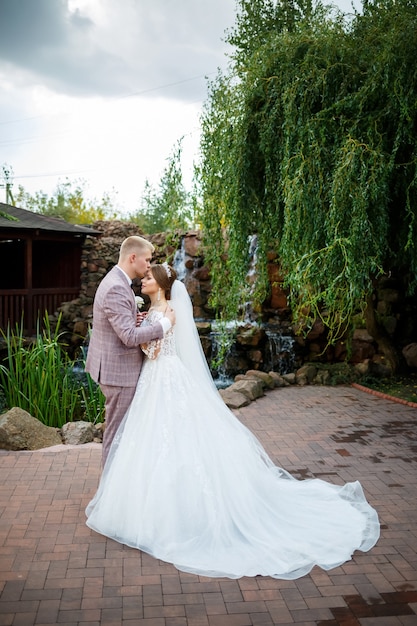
(38,376)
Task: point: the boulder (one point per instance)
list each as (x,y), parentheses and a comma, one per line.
(279,381)
(322,378)
(363,368)
(317,330)
(21,431)
(76,433)
(234,399)
(410,355)
(266,379)
(192,243)
(361,334)
(380,367)
(289,378)
(306,374)
(250,335)
(249,387)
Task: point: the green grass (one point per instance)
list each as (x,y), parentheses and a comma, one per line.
(403,387)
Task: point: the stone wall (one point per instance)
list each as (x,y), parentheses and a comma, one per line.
(268,345)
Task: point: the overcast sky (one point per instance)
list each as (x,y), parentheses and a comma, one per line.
(102,90)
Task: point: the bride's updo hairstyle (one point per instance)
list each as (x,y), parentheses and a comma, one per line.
(165,275)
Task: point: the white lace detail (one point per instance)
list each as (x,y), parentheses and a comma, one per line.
(165,346)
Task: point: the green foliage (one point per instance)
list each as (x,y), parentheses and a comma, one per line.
(38,376)
(170,207)
(9,217)
(92,399)
(310,141)
(68,202)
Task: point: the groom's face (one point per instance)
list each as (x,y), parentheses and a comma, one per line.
(142,263)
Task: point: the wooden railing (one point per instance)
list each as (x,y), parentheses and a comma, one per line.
(32,304)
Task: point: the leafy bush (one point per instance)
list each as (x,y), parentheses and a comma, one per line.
(39,377)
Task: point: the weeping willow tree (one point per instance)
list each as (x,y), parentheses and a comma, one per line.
(310,141)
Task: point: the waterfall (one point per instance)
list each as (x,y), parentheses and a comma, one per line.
(279,353)
(178,262)
(222,341)
(237,346)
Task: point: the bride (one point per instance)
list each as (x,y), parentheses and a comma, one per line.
(186,482)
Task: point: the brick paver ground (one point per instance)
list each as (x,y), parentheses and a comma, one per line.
(54,570)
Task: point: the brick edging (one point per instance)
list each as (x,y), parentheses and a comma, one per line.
(380,394)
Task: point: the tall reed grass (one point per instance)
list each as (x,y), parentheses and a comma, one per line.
(92,399)
(38,376)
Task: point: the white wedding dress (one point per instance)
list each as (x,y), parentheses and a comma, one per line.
(186,482)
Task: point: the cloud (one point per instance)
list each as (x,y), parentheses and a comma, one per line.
(105,48)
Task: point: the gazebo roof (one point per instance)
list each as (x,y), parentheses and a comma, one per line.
(14,218)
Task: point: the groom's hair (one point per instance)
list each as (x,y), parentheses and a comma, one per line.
(137,244)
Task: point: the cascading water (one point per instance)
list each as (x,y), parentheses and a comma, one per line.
(222,342)
(231,348)
(178,262)
(279,353)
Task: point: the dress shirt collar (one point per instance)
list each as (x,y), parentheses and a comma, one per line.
(129,280)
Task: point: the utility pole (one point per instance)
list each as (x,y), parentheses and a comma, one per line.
(7,173)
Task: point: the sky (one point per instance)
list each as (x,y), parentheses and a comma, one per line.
(102,91)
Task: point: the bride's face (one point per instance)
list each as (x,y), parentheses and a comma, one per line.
(149,284)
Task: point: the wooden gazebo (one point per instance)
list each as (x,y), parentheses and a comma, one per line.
(40,265)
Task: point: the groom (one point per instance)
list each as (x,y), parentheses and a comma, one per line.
(114,359)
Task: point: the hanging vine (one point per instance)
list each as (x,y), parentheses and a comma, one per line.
(310,141)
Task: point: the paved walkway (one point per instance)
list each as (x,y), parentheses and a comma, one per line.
(54,570)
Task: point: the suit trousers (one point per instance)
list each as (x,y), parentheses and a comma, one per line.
(118,400)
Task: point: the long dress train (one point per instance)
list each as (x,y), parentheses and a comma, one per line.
(186,482)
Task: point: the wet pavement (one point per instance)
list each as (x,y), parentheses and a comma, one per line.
(55,570)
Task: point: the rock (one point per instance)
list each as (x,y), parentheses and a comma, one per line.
(80,328)
(363,368)
(203,328)
(256,357)
(202,274)
(99,429)
(379,367)
(361,334)
(76,433)
(316,331)
(361,350)
(289,378)
(250,388)
(363,347)
(279,381)
(192,243)
(21,431)
(234,399)
(267,379)
(250,335)
(322,378)
(306,374)
(410,354)
(390,323)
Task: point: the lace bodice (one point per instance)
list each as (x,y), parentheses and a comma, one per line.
(164,346)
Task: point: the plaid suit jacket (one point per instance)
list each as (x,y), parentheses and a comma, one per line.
(114,356)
